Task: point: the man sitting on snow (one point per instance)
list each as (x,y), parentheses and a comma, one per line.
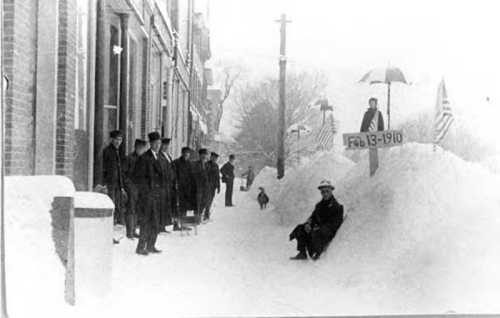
(321,227)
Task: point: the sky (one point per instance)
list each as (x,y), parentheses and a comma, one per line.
(429,40)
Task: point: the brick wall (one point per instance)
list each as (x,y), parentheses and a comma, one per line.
(20,64)
(66,71)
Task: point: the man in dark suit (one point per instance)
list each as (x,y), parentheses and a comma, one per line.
(150,174)
(169,179)
(132,187)
(186,191)
(213,182)
(113,159)
(227,172)
(200,173)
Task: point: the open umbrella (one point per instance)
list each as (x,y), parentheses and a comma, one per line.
(385,76)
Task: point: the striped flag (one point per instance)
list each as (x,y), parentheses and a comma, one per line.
(444,116)
(325,134)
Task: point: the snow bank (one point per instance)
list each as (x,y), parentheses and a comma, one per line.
(299,191)
(423,232)
(266,178)
(35,274)
(492,163)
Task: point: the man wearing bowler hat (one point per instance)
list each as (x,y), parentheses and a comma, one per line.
(150,175)
(320,228)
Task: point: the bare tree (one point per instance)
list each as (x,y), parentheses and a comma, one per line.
(227,77)
(258,115)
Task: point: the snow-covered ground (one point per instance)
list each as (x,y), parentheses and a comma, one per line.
(421,236)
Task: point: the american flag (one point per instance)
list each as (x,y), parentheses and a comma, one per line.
(324,137)
(444,116)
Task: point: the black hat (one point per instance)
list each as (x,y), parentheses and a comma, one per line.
(140,142)
(115,134)
(214,154)
(203,151)
(185,149)
(165,141)
(154,136)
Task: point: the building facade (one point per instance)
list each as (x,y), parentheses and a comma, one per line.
(79,69)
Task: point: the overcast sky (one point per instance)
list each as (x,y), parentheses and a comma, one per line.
(426,39)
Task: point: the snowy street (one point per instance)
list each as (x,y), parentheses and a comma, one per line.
(236,264)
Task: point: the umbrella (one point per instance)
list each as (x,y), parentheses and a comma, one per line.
(385,76)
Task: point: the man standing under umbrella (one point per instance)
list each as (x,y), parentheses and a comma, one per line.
(373,119)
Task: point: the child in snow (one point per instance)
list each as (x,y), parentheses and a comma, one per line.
(262,198)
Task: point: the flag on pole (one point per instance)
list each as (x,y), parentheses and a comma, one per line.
(444,116)
(325,134)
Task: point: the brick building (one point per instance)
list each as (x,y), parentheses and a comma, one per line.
(79,69)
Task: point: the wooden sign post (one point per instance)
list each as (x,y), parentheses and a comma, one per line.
(373,140)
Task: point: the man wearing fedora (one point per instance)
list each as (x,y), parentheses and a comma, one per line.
(321,227)
(150,176)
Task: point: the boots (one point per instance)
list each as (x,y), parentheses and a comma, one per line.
(130,226)
(141,248)
(301,256)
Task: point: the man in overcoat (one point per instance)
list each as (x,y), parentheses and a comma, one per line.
(200,173)
(186,190)
(132,187)
(168,198)
(150,176)
(112,163)
(213,182)
(321,227)
(227,172)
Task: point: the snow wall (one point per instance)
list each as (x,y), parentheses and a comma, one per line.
(421,233)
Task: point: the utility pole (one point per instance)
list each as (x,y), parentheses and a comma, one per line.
(282,103)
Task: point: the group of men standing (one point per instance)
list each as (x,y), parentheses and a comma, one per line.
(152,191)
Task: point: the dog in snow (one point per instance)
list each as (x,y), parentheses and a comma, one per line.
(262,198)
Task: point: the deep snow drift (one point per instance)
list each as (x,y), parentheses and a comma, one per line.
(421,235)
(298,192)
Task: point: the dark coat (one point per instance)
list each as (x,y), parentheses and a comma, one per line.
(129,169)
(262,198)
(186,186)
(227,172)
(112,162)
(327,216)
(213,176)
(367,119)
(202,184)
(149,173)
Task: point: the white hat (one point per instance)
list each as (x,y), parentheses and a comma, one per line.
(326,184)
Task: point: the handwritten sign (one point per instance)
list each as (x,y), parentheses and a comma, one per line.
(375,139)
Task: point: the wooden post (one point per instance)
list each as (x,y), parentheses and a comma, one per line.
(373,157)
(282,103)
(389,106)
